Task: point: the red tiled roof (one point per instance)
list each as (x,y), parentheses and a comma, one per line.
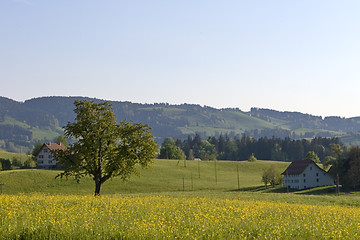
(297,167)
(52,146)
(55,146)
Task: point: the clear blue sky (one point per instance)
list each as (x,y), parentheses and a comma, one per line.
(285,55)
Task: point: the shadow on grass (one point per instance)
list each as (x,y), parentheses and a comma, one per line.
(261,189)
(249,189)
(328,190)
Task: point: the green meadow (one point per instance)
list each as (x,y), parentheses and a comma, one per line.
(162,176)
(9,155)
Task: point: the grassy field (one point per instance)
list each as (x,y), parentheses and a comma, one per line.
(162,176)
(8,155)
(171,201)
(303,131)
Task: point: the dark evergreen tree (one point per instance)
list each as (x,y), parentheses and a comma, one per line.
(353,173)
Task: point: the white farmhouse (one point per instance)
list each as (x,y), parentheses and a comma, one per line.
(306,174)
(44,158)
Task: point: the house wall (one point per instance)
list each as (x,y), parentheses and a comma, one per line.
(45,159)
(311,177)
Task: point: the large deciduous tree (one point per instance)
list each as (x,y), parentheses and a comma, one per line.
(104,149)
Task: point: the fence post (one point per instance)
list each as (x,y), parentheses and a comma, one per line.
(192,183)
(199,168)
(183,184)
(238,178)
(215,173)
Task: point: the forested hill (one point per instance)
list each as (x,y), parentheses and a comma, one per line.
(294,120)
(25,123)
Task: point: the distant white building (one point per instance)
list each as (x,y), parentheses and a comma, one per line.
(306,174)
(44,158)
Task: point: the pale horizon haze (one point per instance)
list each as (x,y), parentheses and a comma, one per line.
(299,56)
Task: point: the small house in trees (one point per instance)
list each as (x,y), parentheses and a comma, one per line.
(44,157)
(306,174)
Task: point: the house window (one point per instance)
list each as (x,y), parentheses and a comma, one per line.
(310,168)
(317,180)
(304,180)
(40,162)
(50,162)
(50,156)
(304,175)
(45,150)
(41,156)
(317,174)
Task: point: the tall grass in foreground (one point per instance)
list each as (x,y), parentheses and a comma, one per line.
(165,217)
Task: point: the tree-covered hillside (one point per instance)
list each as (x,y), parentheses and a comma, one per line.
(295,120)
(41,119)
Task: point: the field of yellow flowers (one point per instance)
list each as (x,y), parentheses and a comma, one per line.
(170,217)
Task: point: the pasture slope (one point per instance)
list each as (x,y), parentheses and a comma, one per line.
(171,201)
(18,156)
(162,176)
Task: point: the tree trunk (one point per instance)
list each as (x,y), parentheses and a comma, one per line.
(98,171)
(97,187)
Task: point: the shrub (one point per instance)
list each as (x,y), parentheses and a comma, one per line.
(272,176)
(252,158)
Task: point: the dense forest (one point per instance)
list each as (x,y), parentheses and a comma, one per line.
(23,124)
(226,148)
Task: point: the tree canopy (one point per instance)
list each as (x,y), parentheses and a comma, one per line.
(103,148)
(312,156)
(169,150)
(345,165)
(272,176)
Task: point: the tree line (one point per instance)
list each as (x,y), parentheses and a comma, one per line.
(345,165)
(233,148)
